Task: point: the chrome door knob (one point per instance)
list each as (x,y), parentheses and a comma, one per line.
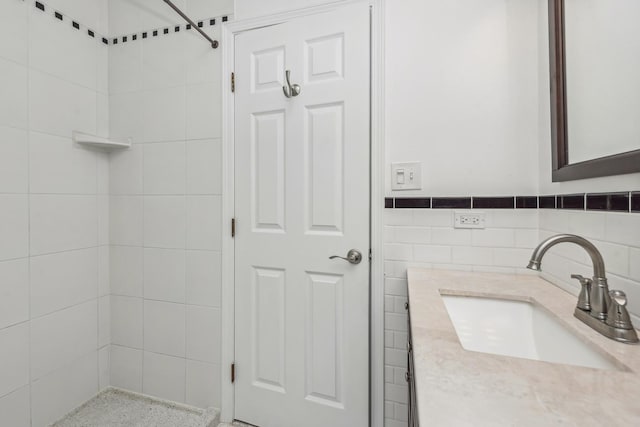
(353,256)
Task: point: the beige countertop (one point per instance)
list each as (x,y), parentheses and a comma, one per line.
(456,387)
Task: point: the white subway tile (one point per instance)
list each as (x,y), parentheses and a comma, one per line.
(511,257)
(623,228)
(203,340)
(14,359)
(398,217)
(512,218)
(634,264)
(411,235)
(208,9)
(62,280)
(497,237)
(203,384)
(164,376)
(471,255)
(63,336)
(164,328)
(587,224)
(62,222)
(432,253)
(526,238)
(14,289)
(126,368)
(398,252)
(433,217)
(126,321)
(164,274)
(616,257)
(450,236)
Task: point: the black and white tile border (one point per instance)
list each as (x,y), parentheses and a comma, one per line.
(42,7)
(164,31)
(628,201)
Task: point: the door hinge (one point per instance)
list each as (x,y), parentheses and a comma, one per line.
(233,372)
(233,82)
(233,227)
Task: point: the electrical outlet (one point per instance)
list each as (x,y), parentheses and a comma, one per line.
(469,220)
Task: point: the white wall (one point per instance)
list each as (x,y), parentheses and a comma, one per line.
(245,9)
(166,203)
(54,312)
(613,183)
(462,95)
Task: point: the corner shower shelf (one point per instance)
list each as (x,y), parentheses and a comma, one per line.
(107,144)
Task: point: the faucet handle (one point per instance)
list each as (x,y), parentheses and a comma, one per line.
(618,316)
(584,301)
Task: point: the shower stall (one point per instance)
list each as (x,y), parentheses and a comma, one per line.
(110,211)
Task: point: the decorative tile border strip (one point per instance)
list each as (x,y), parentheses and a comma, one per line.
(628,201)
(164,31)
(64,18)
(42,7)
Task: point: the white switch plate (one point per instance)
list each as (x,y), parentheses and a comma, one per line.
(469,219)
(406,176)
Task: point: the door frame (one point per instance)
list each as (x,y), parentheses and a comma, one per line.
(377,188)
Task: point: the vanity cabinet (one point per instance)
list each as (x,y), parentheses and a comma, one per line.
(409,376)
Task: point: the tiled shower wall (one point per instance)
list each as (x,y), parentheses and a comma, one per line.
(427,238)
(54,308)
(165,203)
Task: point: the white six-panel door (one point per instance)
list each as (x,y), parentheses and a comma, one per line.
(302,195)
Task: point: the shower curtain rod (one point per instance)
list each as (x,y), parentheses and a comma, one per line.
(214,43)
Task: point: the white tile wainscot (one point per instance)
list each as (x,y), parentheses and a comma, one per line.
(427,238)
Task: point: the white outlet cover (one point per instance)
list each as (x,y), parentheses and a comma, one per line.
(469,219)
(406,176)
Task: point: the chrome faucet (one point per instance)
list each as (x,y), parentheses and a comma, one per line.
(601,309)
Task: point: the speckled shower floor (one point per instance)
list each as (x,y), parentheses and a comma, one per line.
(118,408)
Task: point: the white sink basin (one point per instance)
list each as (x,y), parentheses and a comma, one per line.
(519,329)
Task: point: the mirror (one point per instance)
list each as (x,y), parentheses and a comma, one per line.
(594,48)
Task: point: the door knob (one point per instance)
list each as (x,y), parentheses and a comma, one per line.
(353,256)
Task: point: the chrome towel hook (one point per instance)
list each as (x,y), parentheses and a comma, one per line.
(290,90)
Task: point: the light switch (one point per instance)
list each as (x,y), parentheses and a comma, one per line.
(406,176)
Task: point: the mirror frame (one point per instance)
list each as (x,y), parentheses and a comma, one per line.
(562,170)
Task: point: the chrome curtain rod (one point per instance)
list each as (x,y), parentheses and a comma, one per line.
(214,43)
